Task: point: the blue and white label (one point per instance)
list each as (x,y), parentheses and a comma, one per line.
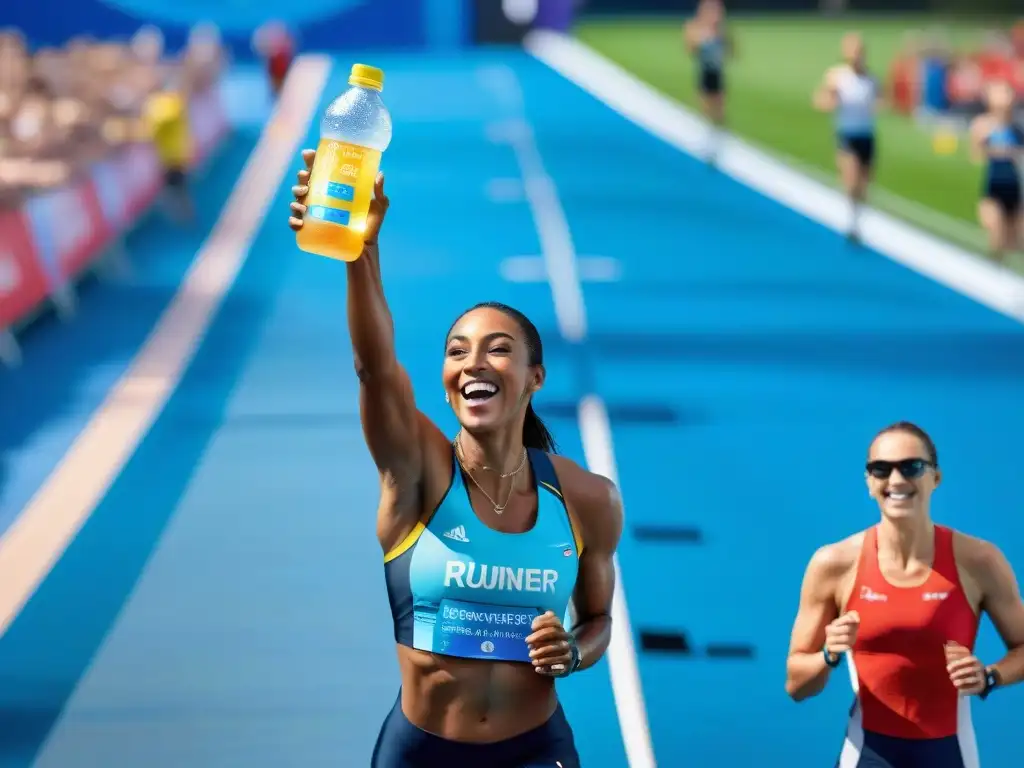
(343,192)
(481,631)
(331,215)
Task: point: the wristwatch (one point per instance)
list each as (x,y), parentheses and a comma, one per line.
(992,681)
(832,659)
(575,655)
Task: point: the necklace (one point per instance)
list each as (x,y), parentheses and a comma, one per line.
(498,508)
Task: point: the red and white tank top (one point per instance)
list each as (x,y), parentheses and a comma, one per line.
(898,661)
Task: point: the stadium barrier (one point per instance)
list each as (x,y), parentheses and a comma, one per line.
(58,236)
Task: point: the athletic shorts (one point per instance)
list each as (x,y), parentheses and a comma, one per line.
(861,147)
(711,82)
(402,745)
(878,751)
(1006,193)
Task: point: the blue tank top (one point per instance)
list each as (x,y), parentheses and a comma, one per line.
(460,588)
(711,53)
(1004,169)
(934,73)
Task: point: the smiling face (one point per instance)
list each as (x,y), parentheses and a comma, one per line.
(901,474)
(489,374)
(853,50)
(1000,97)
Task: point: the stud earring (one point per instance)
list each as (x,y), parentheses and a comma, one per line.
(447,398)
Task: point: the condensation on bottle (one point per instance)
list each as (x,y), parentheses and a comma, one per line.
(354,133)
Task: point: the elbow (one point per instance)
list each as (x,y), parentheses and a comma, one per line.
(797,689)
(363,372)
(794,691)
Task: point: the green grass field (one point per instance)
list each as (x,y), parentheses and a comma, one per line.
(779,60)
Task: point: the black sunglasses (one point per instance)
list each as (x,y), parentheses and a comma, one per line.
(909,468)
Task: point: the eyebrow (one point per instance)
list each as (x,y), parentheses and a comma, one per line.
(488,337)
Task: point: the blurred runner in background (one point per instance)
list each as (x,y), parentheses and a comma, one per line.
(852,95)
(998,142)
(272,43)
(709,42)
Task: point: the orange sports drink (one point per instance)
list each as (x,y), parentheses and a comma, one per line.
(354,132)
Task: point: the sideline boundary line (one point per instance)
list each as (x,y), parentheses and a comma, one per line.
(63,503)
(562,273)
(993,286)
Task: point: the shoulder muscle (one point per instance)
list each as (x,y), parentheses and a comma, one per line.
(594,503)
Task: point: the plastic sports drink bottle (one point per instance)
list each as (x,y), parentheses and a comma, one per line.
(354,132)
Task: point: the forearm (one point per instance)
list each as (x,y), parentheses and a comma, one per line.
(824,101)
(369,319)
(1010,668)
(592,637)
(806,675)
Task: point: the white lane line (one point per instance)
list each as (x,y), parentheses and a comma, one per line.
(560,261)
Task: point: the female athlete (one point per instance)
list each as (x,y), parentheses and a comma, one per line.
(708,41)
(486,537)
(852,95)
(902,601)
(997,142)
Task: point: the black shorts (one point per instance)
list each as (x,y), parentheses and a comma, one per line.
(402,745)
(175,177)
(711,82)
(861,147)
(1006,193)
(878,751)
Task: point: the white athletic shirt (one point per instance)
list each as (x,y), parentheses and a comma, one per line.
(856,94)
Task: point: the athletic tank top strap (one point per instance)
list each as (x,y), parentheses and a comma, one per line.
(544,471)
(547,480)
(944,563)
(868,571)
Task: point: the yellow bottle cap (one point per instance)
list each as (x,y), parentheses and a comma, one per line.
(367,77)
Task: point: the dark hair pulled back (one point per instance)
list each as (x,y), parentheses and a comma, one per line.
(910,428)
(535,433)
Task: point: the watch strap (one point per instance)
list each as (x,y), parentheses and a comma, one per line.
(831,659)
(576,654)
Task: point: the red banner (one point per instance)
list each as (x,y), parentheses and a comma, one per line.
(68,229)
(23,284)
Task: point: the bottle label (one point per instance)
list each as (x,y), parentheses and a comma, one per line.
(341,184)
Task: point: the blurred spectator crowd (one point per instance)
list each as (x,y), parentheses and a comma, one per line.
(929,76)
(63,109)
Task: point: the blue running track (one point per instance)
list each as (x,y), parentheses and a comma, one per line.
(224,605)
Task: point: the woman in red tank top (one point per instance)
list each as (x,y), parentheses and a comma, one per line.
(901,601)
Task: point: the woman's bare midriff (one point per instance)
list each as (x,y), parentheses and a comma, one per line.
(473,701)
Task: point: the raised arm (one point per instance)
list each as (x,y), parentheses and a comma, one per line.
(818,626)
(395,431)
(825,98)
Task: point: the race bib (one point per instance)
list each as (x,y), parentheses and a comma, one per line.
(481,631)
